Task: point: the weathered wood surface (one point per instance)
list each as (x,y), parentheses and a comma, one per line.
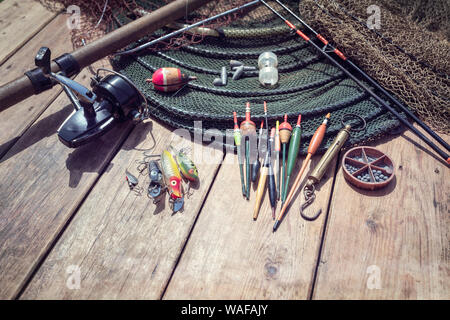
(392,243)
(125,246)
(56,214)
(230,256)
(20,21)
(16,119)
(43,182)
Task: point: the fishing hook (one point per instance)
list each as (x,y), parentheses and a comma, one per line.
(310,196)
(189,193)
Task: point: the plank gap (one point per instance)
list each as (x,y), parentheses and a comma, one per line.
(322,241)
(43,12)
(12,120)
(193,226)
(32,36)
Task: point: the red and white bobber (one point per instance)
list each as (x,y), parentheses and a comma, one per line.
(169,79)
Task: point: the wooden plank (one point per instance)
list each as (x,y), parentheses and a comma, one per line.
(124,245)
(43,182)
(15,120)
(391,243)
(19,22)
(230,256)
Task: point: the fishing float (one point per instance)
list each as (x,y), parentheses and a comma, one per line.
(248,130)
(237,141)
(314,144)
(285,135)
(257,164)
(264,172)
(272,184)
(276,163)
(294,147)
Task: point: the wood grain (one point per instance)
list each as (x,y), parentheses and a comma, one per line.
(125,246)
(15,120)
(19,22)
(230,256)
(398,235)
(43,182)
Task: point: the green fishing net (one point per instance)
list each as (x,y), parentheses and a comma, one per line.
(308,83)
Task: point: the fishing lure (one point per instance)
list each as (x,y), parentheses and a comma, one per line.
(131,180)
(172,179)
(156,186)
(187,167)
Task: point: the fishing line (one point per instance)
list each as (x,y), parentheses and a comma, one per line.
(103,13)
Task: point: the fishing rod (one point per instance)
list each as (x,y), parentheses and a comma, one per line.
(314,144)
(323,51)
(34,82)
(368,78)
(180,31)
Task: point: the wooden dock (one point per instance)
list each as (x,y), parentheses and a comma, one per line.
(70,228)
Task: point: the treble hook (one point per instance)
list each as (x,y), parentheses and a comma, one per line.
(310,196)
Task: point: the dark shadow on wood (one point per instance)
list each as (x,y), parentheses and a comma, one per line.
(160,206)
(44,127)
(376,193)
(422,148)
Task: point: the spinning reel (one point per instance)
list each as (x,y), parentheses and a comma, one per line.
(112,99)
